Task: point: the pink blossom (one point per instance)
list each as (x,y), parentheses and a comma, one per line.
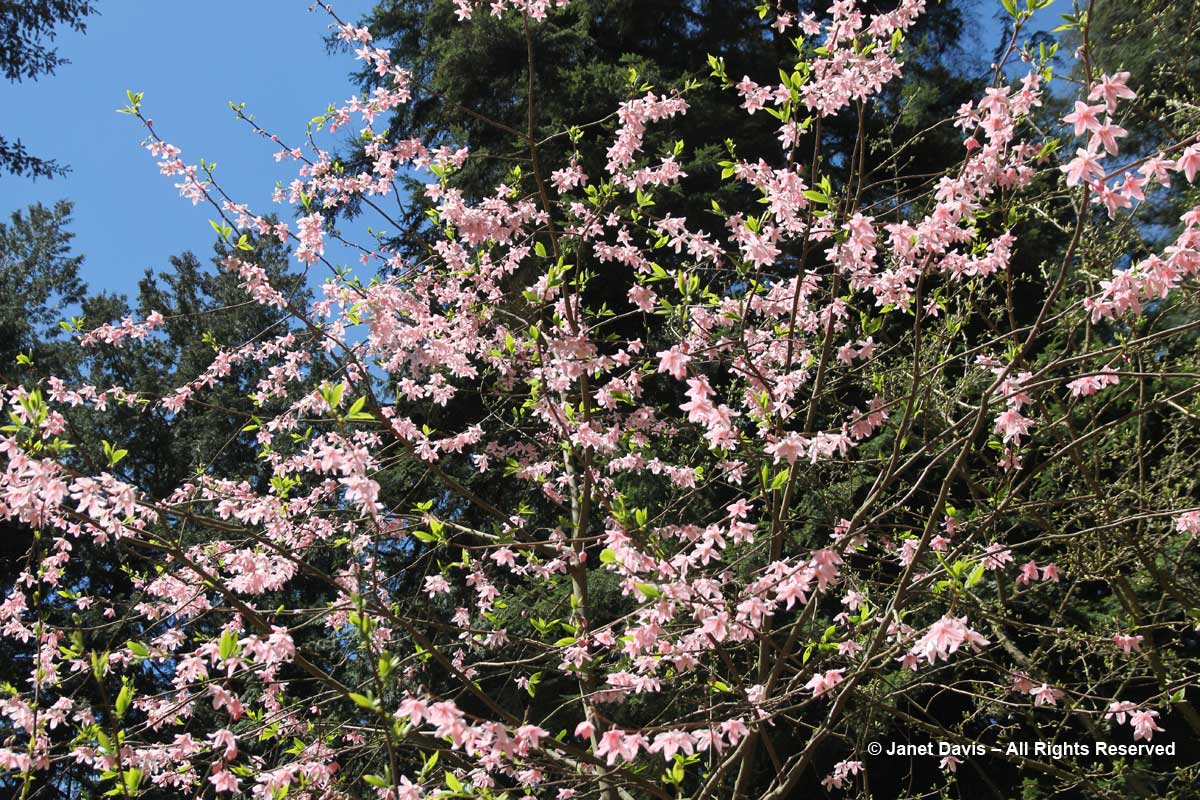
(671,742)
(1084,117)
(223,780)
(1111,88)
(1029,572)
(1118,711)
(944,637)
(503,556)
(1090,384)
(436,584)
(1128,643)
(616,743)
(1157,169)
(1107,135)
(843,771)
(1045,695)
(225,741)
(312,235)
(1083,167)
(1144,724)
(821,683)
(1013,425)
(1189,162)
(674,361)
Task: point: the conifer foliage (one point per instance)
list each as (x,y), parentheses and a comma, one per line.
(852,456)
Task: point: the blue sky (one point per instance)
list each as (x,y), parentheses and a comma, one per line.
(190,59)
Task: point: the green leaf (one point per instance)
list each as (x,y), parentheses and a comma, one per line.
(132,778)
(228,645)
(607,556)
(111,453)
(540,249)
(650,590)
(222,228)
(99,665)
(364,701)
(355,411)
(332,394)
(124,699)
(452,782)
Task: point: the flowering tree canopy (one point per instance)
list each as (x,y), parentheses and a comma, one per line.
(721,501)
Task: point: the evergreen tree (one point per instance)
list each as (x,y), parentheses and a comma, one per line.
(26,29)
(40,285)
(594,54)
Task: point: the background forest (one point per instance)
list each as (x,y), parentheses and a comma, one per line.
(592,56)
